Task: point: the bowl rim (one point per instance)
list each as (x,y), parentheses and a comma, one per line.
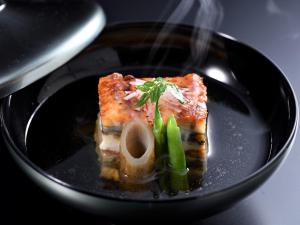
(247,180)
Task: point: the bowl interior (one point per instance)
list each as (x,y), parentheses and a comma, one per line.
(252,110)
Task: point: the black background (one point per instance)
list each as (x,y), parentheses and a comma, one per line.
(271,26)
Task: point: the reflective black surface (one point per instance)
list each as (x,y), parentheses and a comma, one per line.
(37,38)
(274,32)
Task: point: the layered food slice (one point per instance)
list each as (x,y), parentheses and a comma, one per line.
(118,96)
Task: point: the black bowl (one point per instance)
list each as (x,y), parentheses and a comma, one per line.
(48,126)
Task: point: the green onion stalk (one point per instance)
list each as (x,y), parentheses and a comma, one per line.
(177,161)
(159,131)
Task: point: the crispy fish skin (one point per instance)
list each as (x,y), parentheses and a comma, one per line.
(113,109)
(116,109)
(118,95)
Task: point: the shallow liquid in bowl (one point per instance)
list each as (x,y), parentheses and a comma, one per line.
(60,140)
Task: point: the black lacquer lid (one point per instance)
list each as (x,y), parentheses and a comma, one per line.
(36,37)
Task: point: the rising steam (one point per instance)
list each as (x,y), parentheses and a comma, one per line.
(206,14)
(209,16)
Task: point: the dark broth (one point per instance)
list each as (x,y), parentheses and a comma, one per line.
(60,141)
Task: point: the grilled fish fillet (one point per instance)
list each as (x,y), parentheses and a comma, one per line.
(118,95)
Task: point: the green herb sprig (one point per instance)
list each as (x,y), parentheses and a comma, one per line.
(153,89)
